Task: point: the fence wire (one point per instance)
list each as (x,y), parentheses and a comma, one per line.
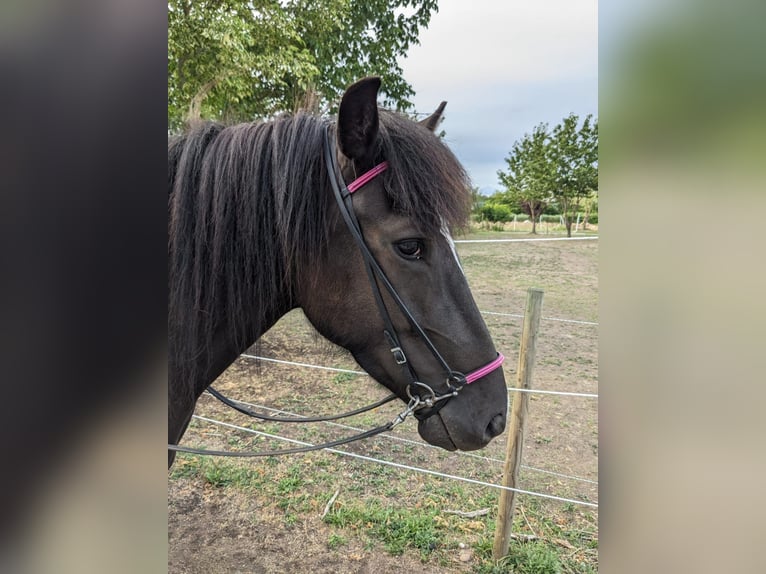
(397,465)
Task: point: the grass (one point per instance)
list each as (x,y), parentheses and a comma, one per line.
(342,378)
(523,558)
(291,483)
(335,541)
(216,472)
(301,487)
(396,529)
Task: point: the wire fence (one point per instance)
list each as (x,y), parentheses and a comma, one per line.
(388,436)
(394,464)
(518,316)
(420,444)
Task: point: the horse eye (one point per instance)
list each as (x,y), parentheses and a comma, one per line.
(410,249)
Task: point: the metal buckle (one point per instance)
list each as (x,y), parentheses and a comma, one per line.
(399,356)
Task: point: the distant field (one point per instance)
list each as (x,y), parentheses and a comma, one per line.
(227,515)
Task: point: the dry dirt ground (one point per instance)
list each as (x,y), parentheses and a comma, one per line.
(265,515)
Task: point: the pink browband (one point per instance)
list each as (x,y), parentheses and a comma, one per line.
(485,370)
(367,176)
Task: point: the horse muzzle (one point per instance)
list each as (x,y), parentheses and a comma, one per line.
(469,420)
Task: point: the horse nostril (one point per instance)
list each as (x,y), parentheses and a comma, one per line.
(496,425)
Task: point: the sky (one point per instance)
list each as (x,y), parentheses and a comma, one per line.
(504,66)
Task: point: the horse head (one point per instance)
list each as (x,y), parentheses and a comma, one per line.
(399,301)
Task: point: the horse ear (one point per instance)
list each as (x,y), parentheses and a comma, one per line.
(433,121)
(358,119)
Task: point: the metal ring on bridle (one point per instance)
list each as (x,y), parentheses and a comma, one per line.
(430,401)
(456,377)
(426,402)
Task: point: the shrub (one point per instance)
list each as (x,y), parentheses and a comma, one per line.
(593,218)
(496,212)
(522,217)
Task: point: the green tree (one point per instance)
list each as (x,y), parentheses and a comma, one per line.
(530,174)
(245,59)
(553,167)
(573,155)
(225,54)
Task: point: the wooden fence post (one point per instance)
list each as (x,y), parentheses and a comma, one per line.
(519,407)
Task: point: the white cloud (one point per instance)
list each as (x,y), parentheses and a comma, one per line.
(499,41)
(504,66)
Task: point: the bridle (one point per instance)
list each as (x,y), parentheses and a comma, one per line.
(424,401)
(427,401)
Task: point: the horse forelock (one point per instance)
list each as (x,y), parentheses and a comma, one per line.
(425,181)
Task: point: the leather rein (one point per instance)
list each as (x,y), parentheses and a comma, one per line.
(424,401)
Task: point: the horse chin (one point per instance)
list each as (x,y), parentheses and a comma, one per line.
(434,431)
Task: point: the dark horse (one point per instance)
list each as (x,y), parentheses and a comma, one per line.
(254,231)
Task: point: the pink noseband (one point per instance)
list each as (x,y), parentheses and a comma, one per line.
(485,370)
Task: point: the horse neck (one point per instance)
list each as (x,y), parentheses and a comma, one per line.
(224,349)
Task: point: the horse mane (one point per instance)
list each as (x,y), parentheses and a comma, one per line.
(250,212)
